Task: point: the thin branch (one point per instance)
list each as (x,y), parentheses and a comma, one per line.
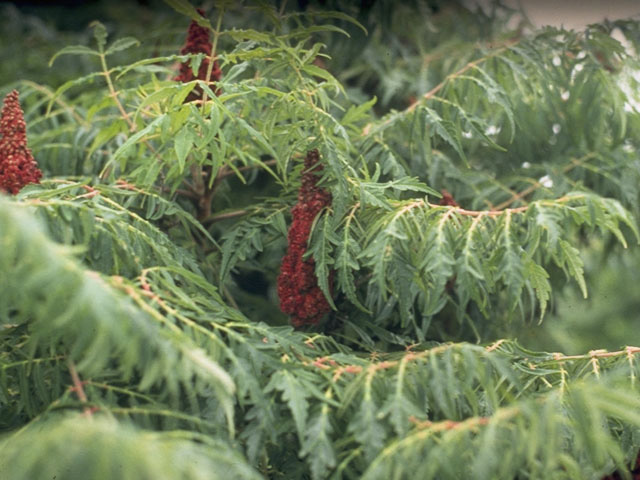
(468,66)
(230,298)
(282,6)
(325,363)
(78,388)
(477,213)
(182,192)
(224,216)
(491,213)
(575,162)
(212,57)
(443,83)
(114,94)
(385,364)
(467,424)
(519,195)
(559,357)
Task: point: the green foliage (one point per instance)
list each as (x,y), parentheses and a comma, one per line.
(80,449)
(140,335)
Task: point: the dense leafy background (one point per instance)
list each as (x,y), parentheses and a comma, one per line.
(141,335)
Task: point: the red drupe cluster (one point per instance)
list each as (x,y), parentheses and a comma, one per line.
(17,166)
(300,295)
(198,41)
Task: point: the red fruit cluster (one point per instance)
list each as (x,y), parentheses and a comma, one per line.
(17,166)
(198,41)
(300,295)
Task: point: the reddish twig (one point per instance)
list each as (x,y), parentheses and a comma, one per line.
(78,389)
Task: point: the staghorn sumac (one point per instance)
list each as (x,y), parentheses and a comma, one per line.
(298,290)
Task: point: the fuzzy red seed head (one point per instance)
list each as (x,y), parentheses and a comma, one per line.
(17,166)
(198,41)
(298,290)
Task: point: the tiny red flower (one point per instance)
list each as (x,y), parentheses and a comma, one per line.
(198,41)
(298,290)
(17,166)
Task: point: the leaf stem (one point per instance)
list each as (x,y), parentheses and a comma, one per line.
(212,57)
(114,93)
(78,387)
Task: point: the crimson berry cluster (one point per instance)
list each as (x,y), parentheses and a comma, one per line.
(17,166)
(300,295)
(198,41)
